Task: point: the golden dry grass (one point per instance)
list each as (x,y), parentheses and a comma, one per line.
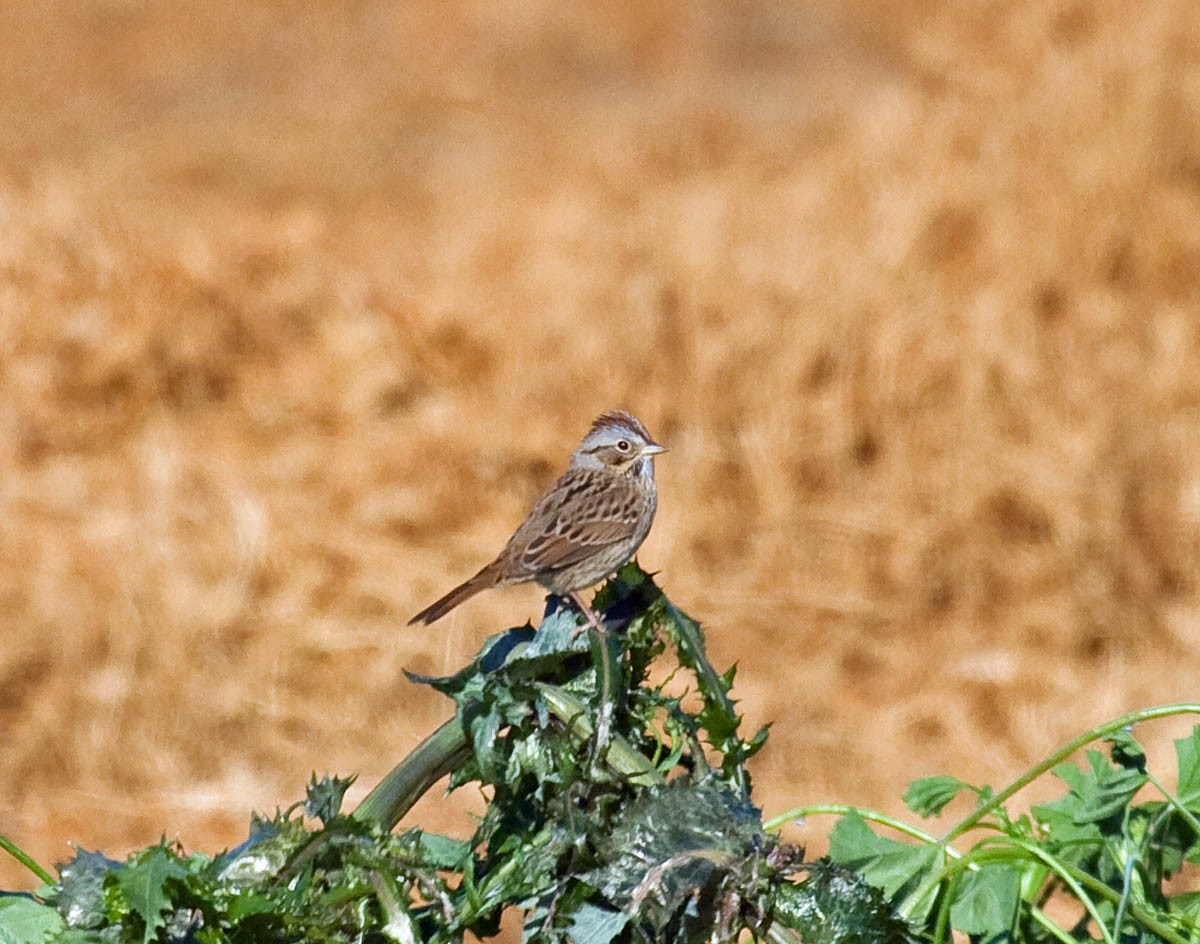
(302,303)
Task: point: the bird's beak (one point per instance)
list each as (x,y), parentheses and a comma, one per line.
(653,449)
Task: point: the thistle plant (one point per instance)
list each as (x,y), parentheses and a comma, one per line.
(620,810)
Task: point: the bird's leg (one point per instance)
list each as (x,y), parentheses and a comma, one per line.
(591,616)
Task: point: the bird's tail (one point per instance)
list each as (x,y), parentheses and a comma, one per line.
(488,577)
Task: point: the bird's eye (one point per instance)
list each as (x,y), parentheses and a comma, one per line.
(623,445)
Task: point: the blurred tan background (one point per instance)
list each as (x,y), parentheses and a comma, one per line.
(301,304)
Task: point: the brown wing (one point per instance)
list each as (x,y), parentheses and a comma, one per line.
(583,513)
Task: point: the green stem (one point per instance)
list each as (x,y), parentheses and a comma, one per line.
(942,925)
(1173,800)
(25,859)
(1093,734)
(1149,920)
(1001,849)
(839,809)
(1006,848)
(396,793)
(1126,891)
(606,687)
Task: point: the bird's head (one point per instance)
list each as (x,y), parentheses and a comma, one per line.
(617,442)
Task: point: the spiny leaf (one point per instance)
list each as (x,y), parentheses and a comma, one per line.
(271,844)
(756,742)
(483,726)
(323,798)
(718,717)
(143,882)
(557,637)
(80,892)
(469,680)
(670,848)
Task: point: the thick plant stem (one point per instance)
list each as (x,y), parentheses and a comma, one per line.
(448,747)
(433,759)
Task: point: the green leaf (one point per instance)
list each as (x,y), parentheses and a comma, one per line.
(248,903)
(1063,835)
(143,882)
(556,638)
(468,682)
(1094,794)
(483,728)
(718,717)
(1187,753)
(1126,751)
(885,863)
(986,900)
(929,796)
(442,852)
(756,742)
(591,924)
(25,921)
